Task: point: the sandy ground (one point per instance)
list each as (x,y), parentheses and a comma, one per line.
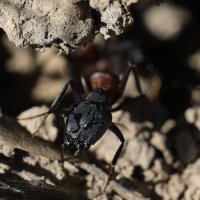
(160,159)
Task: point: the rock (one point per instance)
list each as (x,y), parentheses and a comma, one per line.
(39,24)
(186,146)
(172,190)
(6,150)
(191,177)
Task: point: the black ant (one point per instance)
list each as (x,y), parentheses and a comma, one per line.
(89,119)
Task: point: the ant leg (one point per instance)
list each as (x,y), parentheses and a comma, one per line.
(122,84)
(121,88)
(118,133)
(142,96)
(83,81)
(135,73)
(129,102)
(62,140)
(85,85)
(62,155)
(75,92)
(57,100)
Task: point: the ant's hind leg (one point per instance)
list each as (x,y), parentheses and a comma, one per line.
(123,82)
(128,102)
(142,96)
(121,85)
(121,88)
(135,73)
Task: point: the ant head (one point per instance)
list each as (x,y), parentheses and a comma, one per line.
(99,95)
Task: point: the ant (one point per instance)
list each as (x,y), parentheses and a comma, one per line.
(89,119)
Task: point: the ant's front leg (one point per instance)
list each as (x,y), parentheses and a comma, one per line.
(118,133)
(57,101)
(67,142)
(62,130)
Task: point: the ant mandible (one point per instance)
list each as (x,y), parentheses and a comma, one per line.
(89,119)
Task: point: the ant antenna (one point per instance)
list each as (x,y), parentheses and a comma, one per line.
(46,115)
(27,118)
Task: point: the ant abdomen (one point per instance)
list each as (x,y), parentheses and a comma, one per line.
(106,80)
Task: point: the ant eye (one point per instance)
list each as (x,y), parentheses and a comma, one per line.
(78,117)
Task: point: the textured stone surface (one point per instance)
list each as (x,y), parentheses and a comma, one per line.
(115,20)
(172,190)
(41,23)
(69,24)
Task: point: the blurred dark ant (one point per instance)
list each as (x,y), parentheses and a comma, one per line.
(89,119)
